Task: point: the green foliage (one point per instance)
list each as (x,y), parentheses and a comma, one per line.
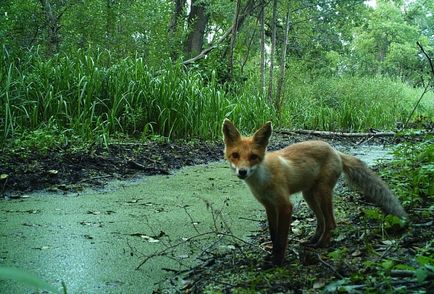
(426,269)
(338,254)
(385,44)
(350,103)
(96,98)
(411,172)
(43,139)
(132,87)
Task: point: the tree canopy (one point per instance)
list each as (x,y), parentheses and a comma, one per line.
(325,36)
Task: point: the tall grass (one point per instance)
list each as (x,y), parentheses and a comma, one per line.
(95,97)
(352,103)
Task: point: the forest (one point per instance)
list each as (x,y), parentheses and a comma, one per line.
(98,69)
(89,90)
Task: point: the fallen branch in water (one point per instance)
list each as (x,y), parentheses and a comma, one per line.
(353,135)
(205,242)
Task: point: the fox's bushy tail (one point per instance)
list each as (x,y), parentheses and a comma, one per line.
(371,186)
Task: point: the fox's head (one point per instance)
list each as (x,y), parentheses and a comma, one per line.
(245,154)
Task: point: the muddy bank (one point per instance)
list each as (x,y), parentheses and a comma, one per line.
(68,169)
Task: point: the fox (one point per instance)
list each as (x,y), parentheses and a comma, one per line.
(310,167)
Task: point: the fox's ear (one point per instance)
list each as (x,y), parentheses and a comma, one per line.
(262,135)
(230,132)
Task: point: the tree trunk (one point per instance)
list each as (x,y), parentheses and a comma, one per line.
(233,38)
(244,13)
(197,21)
(262,45)
(110,23)
(176,15)
(281,82)
(53,27)
(273,49)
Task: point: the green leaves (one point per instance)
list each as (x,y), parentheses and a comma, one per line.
(385,44)
(412,171)
(426,269)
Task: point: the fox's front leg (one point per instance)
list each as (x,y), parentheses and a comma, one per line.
(279,219)
(284,212)
(272,222)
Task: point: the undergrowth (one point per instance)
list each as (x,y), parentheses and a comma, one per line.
(353,103)
(96,97)
(411,173)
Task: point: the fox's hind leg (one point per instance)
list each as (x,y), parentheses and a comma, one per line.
(312,198)
(315,205)
(326,203)
(320,200)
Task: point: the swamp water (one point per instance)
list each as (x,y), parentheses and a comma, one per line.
(93,241)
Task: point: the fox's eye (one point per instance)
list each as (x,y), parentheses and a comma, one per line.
(254,157)
(235,155)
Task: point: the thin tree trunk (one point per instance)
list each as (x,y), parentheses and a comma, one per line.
(110,23)
(53,27)
(249,47)
(177,13)
(197,20)
(281,82)
(233,38)
(173,25)
(262,44)
(273,49)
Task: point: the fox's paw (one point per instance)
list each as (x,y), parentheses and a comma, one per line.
(319,241)
(268,262)
(311,242)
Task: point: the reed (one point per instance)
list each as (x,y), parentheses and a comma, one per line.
(95,97)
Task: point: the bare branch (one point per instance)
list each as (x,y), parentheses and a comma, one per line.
(427,57)
(426,89)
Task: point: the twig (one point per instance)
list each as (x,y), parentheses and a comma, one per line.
(402,273)
(428,85)
(95,178)
(384,252)
(250,219)
(425,90)
(164,251)
(191,219)
(427,224)
(330,267)
(139,166)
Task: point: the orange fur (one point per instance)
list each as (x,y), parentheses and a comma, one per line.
(311,167)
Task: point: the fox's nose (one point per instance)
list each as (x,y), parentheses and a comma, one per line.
(242,173)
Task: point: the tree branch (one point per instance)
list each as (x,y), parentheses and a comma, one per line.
(427,57)
(235,26)
(428,85)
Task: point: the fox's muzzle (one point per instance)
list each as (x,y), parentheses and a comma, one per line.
(242,173)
